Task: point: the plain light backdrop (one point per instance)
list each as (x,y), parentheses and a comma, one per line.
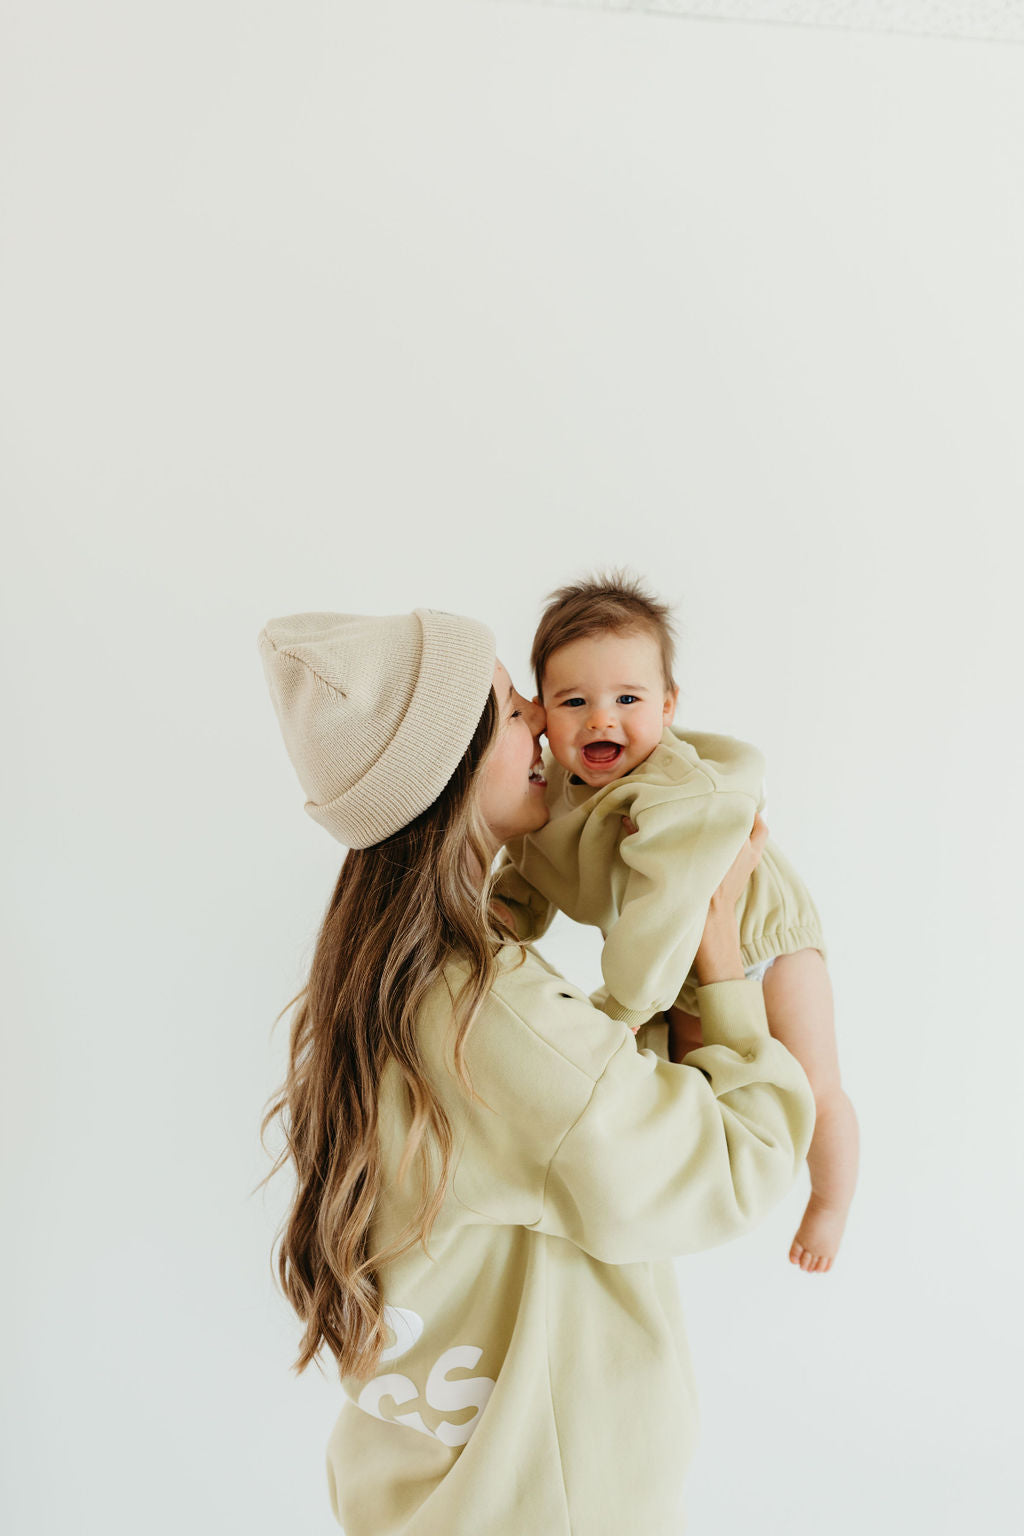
(364,306)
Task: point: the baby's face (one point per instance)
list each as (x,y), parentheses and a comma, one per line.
(606,704)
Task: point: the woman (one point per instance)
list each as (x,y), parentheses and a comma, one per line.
(492,1175)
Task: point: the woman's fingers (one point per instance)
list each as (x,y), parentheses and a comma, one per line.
(755,845)
(744,864)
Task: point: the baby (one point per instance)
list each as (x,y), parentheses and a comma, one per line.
(645,821)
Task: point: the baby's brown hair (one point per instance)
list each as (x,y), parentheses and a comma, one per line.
(615,602)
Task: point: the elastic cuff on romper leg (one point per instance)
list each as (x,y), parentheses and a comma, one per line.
(782,941)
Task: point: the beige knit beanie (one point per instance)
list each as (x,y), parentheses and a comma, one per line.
(376,712)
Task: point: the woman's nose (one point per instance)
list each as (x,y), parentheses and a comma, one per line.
(538,718)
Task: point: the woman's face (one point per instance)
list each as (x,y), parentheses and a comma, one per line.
(512,801)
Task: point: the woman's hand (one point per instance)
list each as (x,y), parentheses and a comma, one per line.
(719,957)
(742,867)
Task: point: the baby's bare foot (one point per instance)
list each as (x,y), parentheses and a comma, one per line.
(817,1239)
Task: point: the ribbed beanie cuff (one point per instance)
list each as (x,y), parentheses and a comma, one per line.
(376,712)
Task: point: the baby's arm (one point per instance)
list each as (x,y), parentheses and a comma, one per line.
(666,874)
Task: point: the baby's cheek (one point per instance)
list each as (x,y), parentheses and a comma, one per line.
(557,743)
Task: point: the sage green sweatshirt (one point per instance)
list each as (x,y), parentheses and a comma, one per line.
(538,1381)
(693,801)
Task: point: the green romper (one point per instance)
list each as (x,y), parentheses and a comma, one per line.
(693,801)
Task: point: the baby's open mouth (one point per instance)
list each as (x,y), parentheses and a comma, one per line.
(602,754)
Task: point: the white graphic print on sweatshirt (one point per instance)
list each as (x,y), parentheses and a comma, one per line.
(438,1393)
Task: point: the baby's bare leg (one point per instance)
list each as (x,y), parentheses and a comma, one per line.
(798,1001)
(684,1033)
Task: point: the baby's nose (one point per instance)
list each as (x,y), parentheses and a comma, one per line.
(600,719)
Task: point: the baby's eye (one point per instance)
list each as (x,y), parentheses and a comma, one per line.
(628,698)
(572,702)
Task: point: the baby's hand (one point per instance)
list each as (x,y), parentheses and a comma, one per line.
(629,824)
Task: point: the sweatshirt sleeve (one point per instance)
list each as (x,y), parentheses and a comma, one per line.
(674,863)
(533,913)
(669,1159)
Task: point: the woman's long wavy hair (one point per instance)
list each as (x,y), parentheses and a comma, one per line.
(399,911)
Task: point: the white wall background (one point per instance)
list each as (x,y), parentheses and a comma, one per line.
(364,306)
(992,19)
